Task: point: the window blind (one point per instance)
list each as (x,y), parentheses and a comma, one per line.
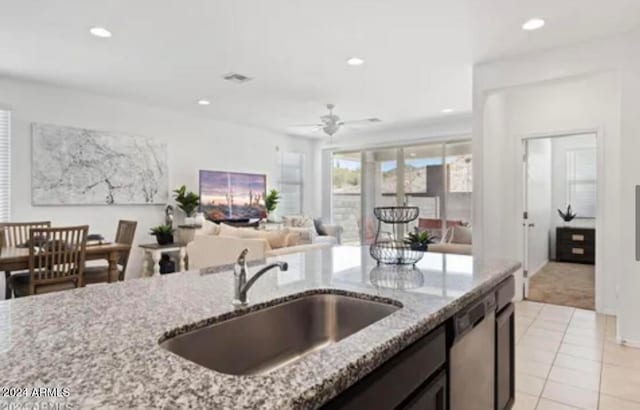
(581,181)
(291,183)
(5,164)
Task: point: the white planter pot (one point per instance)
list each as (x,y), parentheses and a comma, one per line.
(189,220)
(199,219)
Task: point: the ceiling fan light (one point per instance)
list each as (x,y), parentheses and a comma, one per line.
(533,24)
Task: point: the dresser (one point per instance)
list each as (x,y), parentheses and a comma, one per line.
(576,245)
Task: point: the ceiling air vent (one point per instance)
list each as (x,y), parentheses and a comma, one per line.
(374,120)
(236,78)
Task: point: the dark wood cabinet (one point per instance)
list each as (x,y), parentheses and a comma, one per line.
(432,396)
(505,379)
(423,375)
(505,358)
(414,379)
(576,245)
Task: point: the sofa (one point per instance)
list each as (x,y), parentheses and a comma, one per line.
(220,244)
(457,240)
(313,230)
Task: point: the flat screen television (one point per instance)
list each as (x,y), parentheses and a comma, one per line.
(232,196)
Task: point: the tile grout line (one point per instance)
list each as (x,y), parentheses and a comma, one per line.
(555,358)
(523,333)
(604,341)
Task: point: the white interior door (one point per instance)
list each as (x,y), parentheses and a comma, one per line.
(536,221)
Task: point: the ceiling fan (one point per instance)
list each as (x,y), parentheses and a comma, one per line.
(331,123)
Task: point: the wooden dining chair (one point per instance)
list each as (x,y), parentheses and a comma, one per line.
(16,234)
(96,274)
(56,262)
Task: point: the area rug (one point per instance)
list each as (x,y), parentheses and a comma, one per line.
(566,284)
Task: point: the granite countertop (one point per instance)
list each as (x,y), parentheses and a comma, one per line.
(100,343)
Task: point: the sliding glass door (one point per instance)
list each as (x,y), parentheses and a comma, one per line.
(435,177)
(346,177)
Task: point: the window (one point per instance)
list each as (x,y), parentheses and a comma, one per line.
(436,177)
(346,190)
(291,183)
(5,164)
(581,181)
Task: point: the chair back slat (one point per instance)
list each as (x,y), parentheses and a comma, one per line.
(57,255)
(125,235)
(17,233)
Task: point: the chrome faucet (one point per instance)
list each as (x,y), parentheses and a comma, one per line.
(240,284)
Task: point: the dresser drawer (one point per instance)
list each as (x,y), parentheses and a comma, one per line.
(576,235)
(576,248)
(575,245)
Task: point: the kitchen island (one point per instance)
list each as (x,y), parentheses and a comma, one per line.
(100,344)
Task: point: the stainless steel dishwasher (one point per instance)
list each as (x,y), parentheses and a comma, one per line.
(472,357)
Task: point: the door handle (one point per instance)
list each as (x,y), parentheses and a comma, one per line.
(531,225)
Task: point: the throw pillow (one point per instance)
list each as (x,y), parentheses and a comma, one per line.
(320,229)
(297,221)
(208,228)
(306,234)
(448,235)
(293,239)
(461,235)
(228,230)
(277,239)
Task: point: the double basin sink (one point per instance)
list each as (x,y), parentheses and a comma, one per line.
(263,340)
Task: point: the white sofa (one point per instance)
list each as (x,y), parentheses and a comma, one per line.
(457,241)
(309,234)
(215,245)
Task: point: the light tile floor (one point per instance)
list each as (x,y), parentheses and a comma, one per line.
(568,358)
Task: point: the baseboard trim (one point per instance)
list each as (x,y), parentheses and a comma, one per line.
(629,343)
(607,311)
(538,269)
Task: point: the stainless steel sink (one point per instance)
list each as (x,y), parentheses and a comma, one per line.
(261,341)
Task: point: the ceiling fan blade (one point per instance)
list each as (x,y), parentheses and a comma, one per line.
(363,121)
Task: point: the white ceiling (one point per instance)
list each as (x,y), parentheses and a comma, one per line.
(418,53)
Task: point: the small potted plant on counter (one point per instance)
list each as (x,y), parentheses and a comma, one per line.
(163,234)
(188,202)
(271,203)
(419,240)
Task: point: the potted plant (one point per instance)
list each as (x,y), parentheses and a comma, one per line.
(271,202)
(419,240)
(188,202)
(163,234)
(568,215)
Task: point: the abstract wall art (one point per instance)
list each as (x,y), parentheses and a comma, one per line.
(78,166)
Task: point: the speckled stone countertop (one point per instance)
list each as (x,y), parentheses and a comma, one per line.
(100,343)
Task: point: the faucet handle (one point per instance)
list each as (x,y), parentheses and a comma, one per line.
(242,258)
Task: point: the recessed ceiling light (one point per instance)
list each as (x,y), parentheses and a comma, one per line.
(204,102)
(355,61)
(533,24)
(447,110)
(100,32)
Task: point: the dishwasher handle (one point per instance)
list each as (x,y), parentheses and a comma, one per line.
(468,319)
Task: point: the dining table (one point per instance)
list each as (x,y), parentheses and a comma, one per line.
(16,259)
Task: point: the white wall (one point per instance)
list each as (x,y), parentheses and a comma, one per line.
(549,108)
(194,143)
(538,203)
(609,101)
